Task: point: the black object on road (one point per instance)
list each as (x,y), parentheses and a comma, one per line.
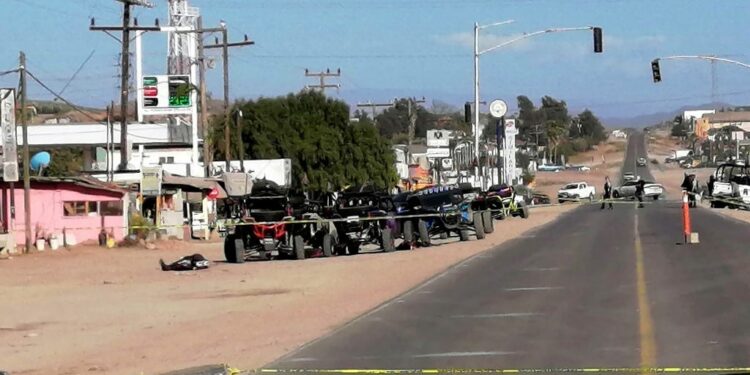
(188,263)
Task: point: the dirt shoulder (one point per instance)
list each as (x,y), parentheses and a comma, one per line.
(91,310)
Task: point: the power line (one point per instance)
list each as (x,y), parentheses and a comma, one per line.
(78,71)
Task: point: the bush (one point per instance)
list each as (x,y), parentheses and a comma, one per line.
(140,226)
(528,177)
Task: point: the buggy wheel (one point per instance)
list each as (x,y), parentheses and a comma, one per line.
(478,227)
(234,250)
(409,231)
(424,233)
(387,238)
(353,247)
(298,243)
(327,245)
(463,235)
(488,222)
(524,210)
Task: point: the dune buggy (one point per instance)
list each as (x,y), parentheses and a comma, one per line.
(504,201)
(440,211)
(361,215)
(267,228)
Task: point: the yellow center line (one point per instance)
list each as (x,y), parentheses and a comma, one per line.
(646,324)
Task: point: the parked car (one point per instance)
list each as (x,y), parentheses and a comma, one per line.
(576,191)
(732,185)
(627,190)
(641,162)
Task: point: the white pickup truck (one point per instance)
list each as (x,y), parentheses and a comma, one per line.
(576,191)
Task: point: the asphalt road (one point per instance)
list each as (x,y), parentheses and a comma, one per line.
(595,288)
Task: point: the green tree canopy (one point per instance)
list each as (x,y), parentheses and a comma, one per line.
(315,132)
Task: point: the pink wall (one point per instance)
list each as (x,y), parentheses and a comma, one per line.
(47,211)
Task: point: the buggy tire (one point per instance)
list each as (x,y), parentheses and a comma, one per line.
(298,243)
(408,230)
(488,222)
(463,235)
(387,238)
(234,250)
(524,210)
(352,247)
(478,226)
(327,245)
(424,233)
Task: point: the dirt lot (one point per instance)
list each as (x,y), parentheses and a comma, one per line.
(613,151)
(671,175)
(91,310)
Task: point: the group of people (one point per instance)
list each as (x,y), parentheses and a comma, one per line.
(639,191)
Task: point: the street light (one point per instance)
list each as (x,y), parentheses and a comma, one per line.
(597,31)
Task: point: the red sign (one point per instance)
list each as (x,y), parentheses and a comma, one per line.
(213,194)
(150,91)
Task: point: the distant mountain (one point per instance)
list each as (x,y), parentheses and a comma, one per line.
(642,121)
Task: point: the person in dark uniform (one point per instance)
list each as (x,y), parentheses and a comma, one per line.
(607,193)
(639,191)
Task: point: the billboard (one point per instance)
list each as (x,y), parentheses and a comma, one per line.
(439,138)
(8,149)
(166,95)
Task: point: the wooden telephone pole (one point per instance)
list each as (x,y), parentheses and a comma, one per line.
(224,45)
(322,86)
(126,28)
(26,161)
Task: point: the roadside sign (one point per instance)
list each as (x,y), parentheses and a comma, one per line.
(8,151)
(435,152)
(439,137)
(510,127)
(166,95)
(151,178)
(498,108)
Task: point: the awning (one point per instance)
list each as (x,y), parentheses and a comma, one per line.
(204,185)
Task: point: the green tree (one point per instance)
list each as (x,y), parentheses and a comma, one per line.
(316,134)
(65,161)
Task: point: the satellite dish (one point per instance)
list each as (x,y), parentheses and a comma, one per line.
(40,160)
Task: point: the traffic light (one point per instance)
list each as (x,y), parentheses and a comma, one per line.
(656,71)
(598,48)
(467,113)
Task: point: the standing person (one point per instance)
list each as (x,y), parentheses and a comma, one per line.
(607,193)
(639,190)
(711,181)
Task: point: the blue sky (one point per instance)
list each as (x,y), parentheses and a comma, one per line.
(393,48)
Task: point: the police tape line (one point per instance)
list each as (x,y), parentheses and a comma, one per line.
(569,202)
(560,370)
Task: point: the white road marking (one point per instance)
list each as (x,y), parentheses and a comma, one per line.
(302,359)
(540,269)
(506,315)
(424,292)
(533,288)
(461,354)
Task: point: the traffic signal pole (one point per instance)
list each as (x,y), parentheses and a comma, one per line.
(598,48)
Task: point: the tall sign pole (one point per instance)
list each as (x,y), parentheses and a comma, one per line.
(498,109)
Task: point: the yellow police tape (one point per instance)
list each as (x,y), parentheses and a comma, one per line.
(561,370)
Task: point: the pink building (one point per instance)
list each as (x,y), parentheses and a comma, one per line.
(76,207)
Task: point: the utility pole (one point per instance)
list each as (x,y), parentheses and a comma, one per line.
(374,107)
(412,102)
(224,45)
(125,68)
(240,145)
(26,167)
(207,159)
(322,86)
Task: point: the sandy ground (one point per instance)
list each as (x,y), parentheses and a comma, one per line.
(91,310)
(614,152)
